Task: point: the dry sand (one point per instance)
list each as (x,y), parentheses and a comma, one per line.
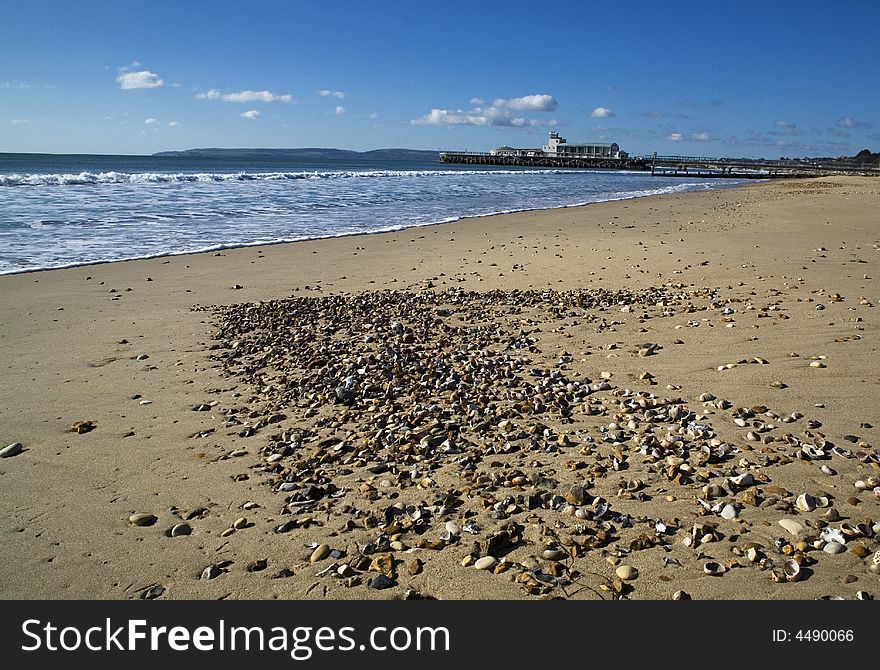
(73,341)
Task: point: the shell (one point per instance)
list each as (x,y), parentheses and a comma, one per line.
(453,528)
(792,570)
(11,450)
(805,502)
(714,569)
(829,534)
(832,514)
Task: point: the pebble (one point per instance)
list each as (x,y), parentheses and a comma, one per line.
(793,527)
(142,519)
(728,512)
(834,548)
(381,582)
(363,395)
(181,529)
(11,450)
(486,563)
(321,552)
(210,572)
(626,572)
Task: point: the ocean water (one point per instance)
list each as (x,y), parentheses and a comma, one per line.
(64,210)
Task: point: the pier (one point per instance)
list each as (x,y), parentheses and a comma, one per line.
(665,166)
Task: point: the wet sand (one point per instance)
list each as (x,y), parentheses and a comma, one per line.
(742,273)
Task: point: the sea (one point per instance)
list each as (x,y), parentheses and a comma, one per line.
(66,210)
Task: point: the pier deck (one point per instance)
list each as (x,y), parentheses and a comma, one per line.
(665,166)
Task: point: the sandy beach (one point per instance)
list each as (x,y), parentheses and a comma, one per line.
(668,376)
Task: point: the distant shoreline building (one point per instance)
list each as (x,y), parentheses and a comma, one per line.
(558,147)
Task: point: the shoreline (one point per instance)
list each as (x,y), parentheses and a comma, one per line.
(388,229)
(75,340)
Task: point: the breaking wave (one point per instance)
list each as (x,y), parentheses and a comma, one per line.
(100,178)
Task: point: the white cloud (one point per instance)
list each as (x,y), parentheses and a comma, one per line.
(701,137)
(16,122)
(250,114)
(340,110)
(491,116)
(327,93)
(150,121)
(850,122)
(530,103)
(173,124)
(602,113)
(788,125)
(498,114)
(675,137)
(140,79)
(244,96)
(374,115)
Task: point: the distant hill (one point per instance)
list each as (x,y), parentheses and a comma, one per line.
(866,156)
(310,153)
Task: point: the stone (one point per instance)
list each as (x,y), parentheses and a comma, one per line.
(321,552)
(142,519)
(383,563)
(81,427)
(210,572)
(415,566)
(554,555)
(258,565)
(795,528)
(11,450)
(381,582)
(834,548)
(181,529)
(486,563)
(626,572)
(728,512)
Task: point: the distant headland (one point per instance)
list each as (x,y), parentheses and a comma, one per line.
(309,153)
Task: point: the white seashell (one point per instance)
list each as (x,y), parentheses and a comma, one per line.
(453,528)
(826,470)
(714,569)
(805,502)
(792,570)
(876,558)
(11,450)
(832,515)
(180,530)
(743,480)
(829,534)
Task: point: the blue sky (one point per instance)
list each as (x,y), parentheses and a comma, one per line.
(720,79)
